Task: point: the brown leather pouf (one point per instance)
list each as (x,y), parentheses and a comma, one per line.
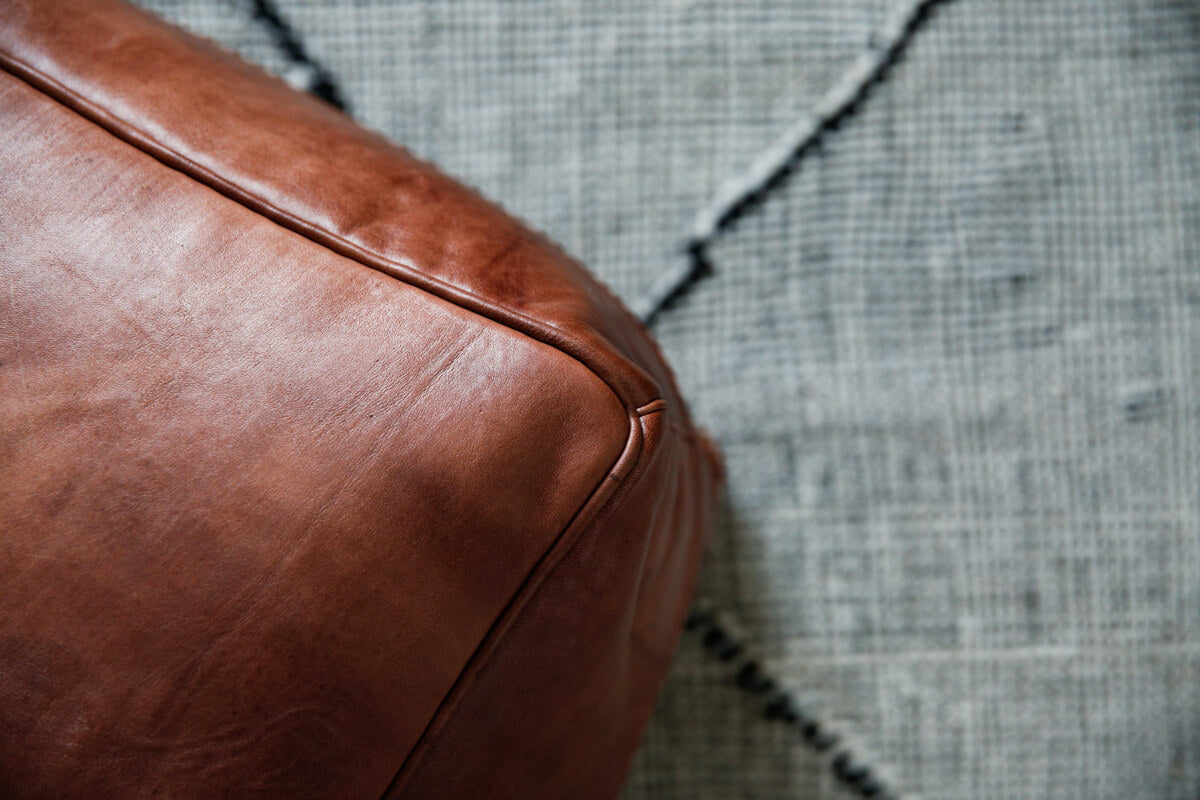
(319,476)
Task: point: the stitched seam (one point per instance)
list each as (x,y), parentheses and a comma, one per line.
(512,612)
(653,407)
(539,330)
(598,498)
(550,562)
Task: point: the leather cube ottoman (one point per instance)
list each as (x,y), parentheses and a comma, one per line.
(319,475)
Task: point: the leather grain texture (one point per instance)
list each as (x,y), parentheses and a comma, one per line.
(319,475)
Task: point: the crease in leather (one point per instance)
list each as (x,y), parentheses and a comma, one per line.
(598,498)
(653,406)
(546,332)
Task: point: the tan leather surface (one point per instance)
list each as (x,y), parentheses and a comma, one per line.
(319,476)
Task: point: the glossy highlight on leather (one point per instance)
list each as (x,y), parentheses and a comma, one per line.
(320,476)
